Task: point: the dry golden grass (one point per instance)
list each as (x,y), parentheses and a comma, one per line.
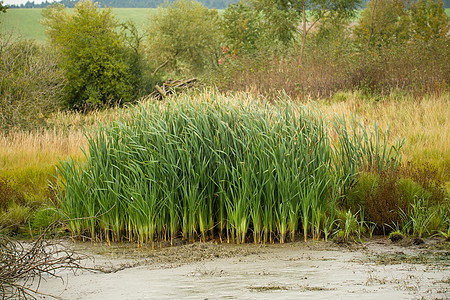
(28,159)
(423,123)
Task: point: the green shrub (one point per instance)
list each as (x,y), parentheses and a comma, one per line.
(366,186)
(99,68)
(9,195)
(409,190)
(427,177)
(14,217)
(44,217)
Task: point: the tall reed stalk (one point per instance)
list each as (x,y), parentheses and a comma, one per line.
(212,165)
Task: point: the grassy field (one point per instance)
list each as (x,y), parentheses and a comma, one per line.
(25,22)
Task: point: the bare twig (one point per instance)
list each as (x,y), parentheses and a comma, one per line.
(22,265)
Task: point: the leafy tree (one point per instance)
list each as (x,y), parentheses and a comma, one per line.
(384,23)
(429,20)
(285,15)
(98,66)
(241,26)
(184,35)
(3,8)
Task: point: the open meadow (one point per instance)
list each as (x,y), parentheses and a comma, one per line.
(25,22)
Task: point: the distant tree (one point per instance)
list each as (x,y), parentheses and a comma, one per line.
(384,23)
(391,22)
(184,35)
(218,4)
(429,20)
(98,66)
(286,15)
(241,26)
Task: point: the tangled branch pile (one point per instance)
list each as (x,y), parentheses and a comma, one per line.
(23,265)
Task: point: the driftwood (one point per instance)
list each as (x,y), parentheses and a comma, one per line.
(171,87)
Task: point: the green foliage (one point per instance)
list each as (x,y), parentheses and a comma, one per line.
(386,23)
(366,185)
(241,26)
(383,23)
(417,218)
(185,35)
(99,68)
(14,217)
(429,20)
(9,195)
(352,226)
(279,21)
(283,17)
(408,198)
(3,8)
(409,190)
(44,217)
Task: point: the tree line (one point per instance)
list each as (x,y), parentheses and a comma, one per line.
(218,4)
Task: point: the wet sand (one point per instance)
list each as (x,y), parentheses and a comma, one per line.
(377,269)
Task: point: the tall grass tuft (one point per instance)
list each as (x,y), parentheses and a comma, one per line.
(215,165)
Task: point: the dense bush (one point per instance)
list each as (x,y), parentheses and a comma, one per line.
(416,69)
(99,67)
(30,84)
(400,47)
(408,198)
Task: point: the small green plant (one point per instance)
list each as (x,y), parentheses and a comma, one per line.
(43,218)
(446,232)
(349,226)
(396,236)
(8,194)
(366,185)
(417,218)
(14,218)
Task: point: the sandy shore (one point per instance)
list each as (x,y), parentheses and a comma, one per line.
(378,269)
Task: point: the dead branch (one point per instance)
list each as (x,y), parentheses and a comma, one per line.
(22,265)
(171,87)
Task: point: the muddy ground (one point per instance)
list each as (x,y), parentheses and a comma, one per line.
(377,269)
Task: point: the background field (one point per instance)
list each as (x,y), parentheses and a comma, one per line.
(25,21)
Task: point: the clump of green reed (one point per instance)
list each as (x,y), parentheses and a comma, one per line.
(212,165)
